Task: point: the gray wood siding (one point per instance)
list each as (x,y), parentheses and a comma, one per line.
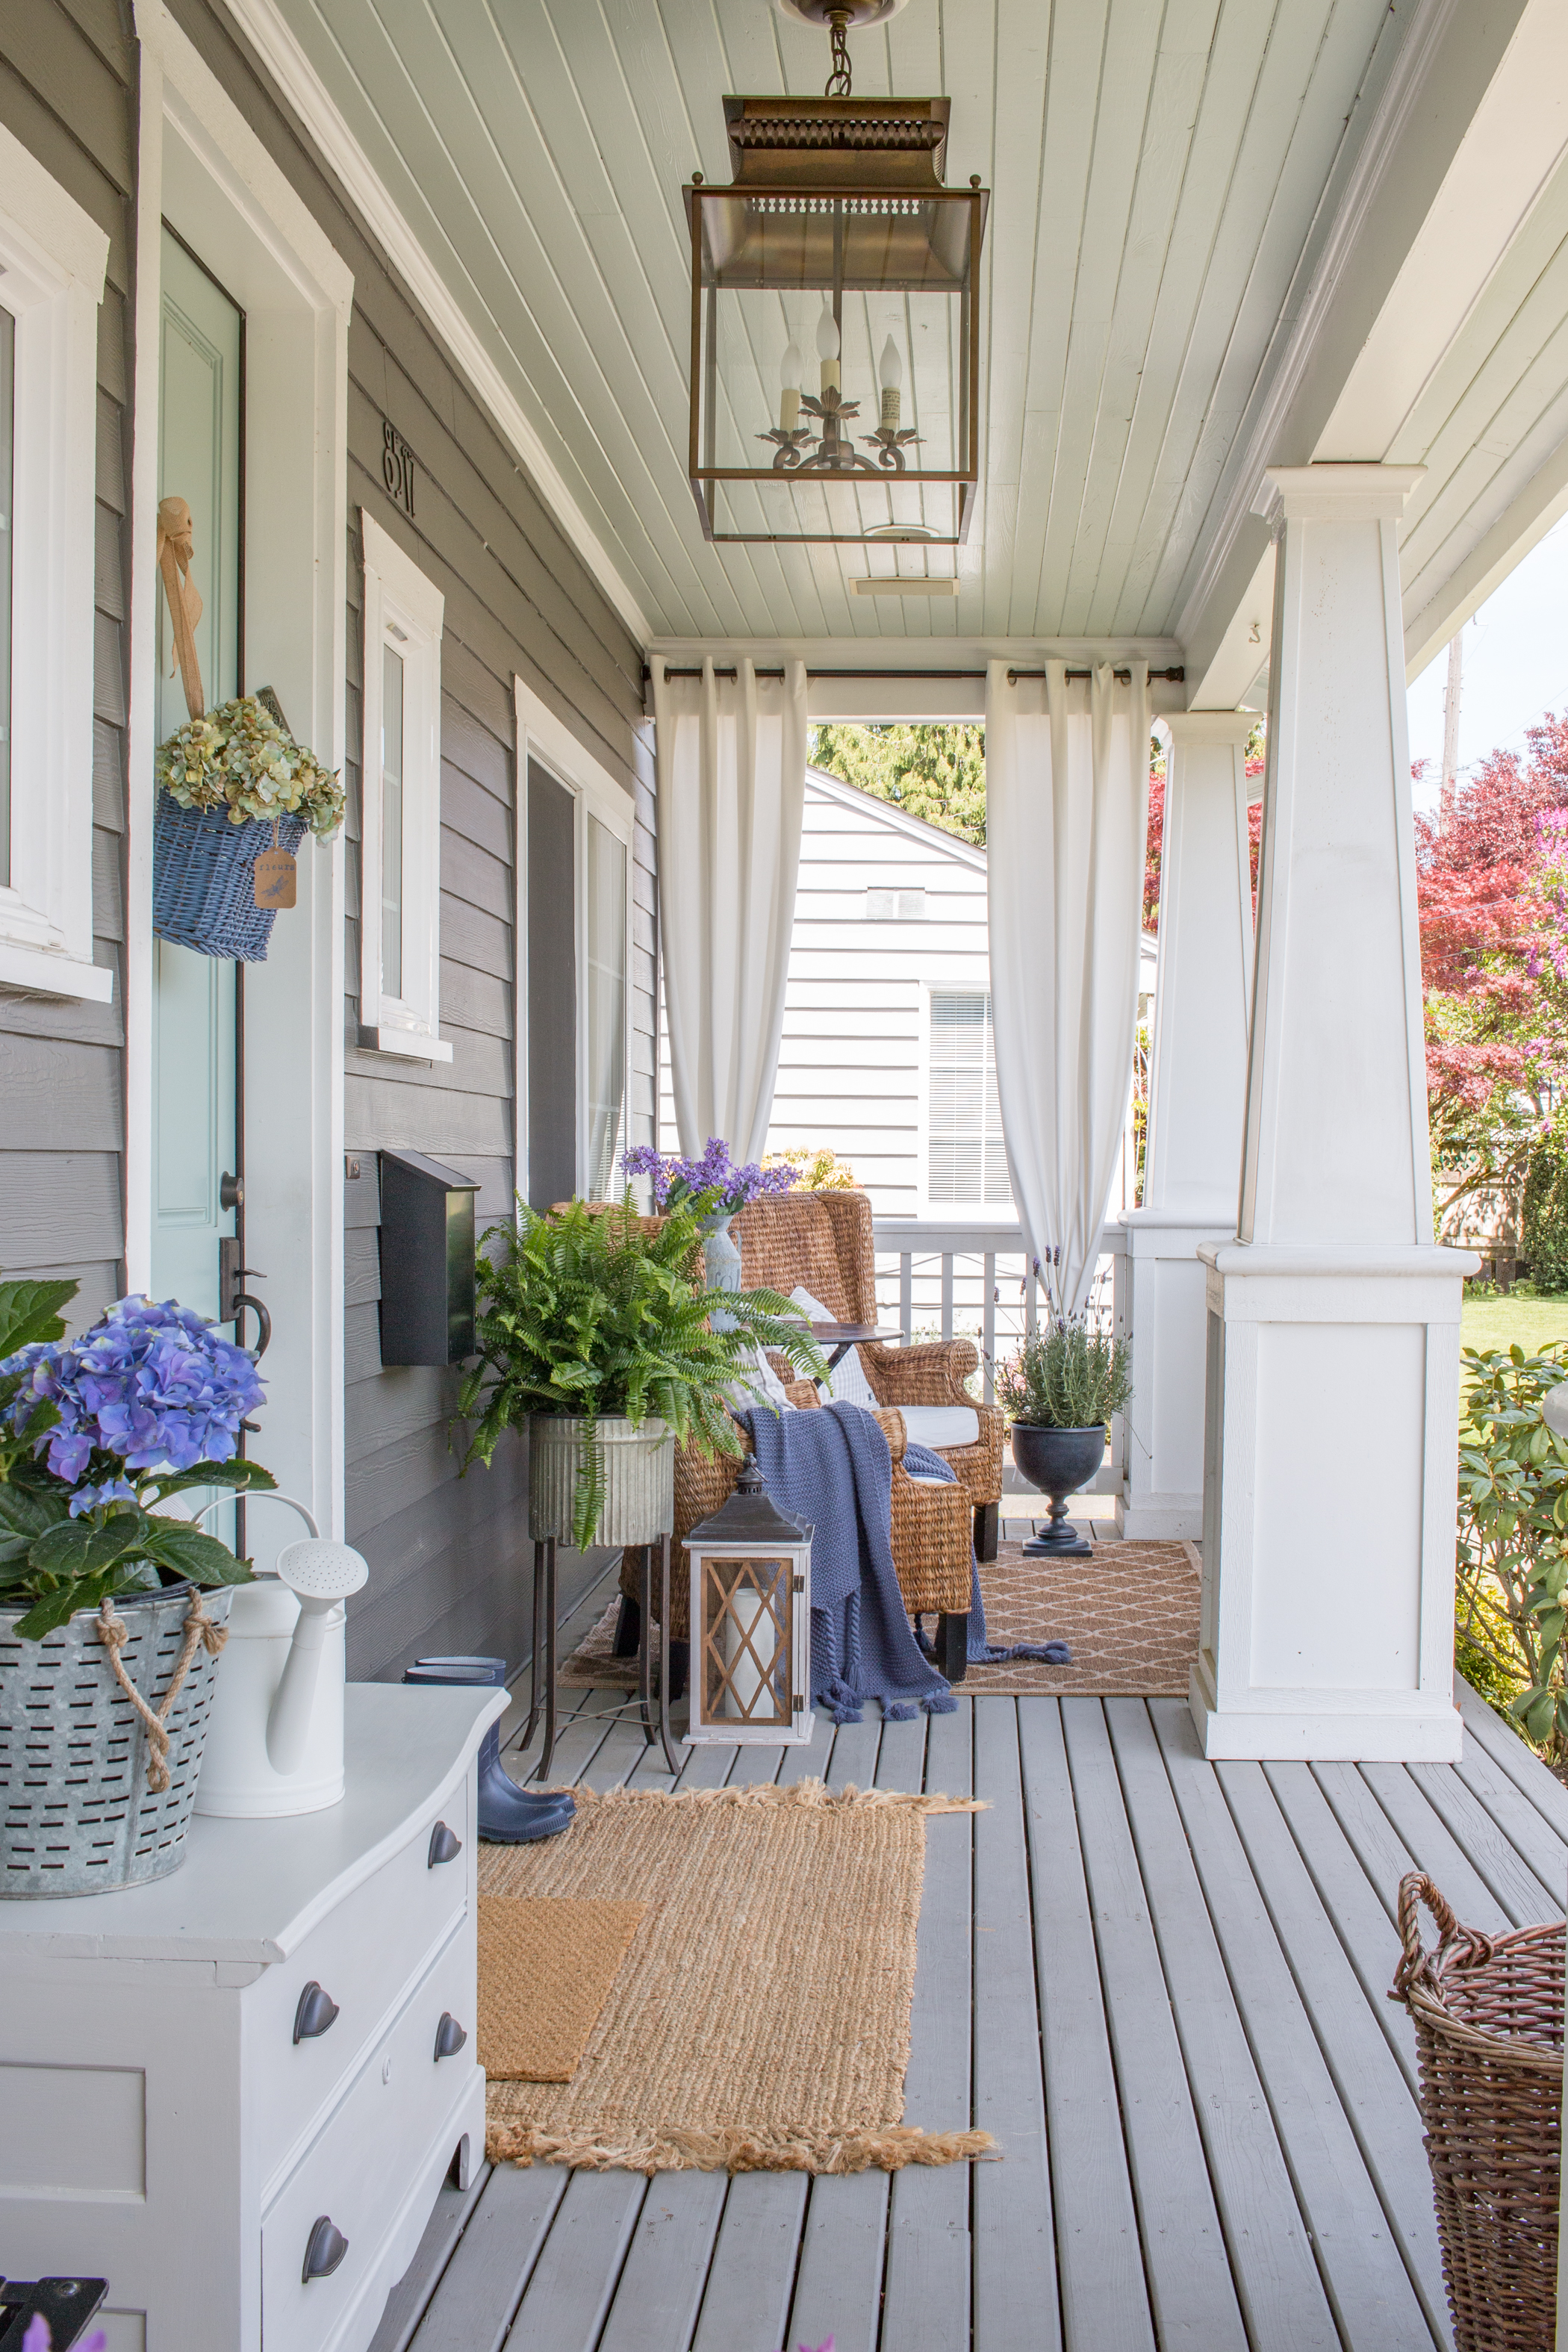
(451,1564)
(66,92)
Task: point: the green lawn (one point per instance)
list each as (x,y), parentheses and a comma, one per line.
(1507,1322)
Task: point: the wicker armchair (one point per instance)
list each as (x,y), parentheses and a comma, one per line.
(824,1241)
(931,1534)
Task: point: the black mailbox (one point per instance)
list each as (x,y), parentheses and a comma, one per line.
(427,1246)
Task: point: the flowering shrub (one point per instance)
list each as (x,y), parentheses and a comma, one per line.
(93,1432)
(714,1184)
(240,759)
(1511,1599)
(817,1168)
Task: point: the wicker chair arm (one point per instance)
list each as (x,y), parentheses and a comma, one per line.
(891,1424)
(802,1393)
(933,1373)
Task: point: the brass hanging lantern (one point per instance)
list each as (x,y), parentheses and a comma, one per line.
(834,318)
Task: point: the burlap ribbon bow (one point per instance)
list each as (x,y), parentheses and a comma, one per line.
(176,554)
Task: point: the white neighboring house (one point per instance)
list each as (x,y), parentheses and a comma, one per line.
(887,1055)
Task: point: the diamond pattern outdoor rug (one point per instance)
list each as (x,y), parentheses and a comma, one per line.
(1130,1616)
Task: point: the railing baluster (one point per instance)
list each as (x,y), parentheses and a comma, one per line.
(947,1294)
(907,1295)
(988,1329)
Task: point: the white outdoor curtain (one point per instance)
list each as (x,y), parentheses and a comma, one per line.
(1067,814)
(732,792)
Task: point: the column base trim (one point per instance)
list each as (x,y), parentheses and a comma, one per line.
(1164,1519)
(1330,1727)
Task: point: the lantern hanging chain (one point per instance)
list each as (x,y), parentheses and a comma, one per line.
(839,81)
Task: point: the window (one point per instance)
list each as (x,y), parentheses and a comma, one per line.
(400,845)
(606,1009)
(967,1162)
(895,906)
(52,259)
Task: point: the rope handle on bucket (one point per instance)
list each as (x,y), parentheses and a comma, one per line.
(1416,1965)
(114,1632)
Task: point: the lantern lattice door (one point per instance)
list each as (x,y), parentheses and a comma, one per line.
(745,1654)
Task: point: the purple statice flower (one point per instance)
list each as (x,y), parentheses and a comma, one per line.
(715,1174)
(151,1384)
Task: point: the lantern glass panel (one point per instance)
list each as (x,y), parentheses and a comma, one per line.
(744,1660)
(886,266)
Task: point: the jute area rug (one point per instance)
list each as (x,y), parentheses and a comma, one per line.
(760,2020)
(1130,1616)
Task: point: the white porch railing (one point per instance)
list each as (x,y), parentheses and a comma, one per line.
(973,1281)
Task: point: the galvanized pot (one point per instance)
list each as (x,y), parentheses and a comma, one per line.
(76,1812)
(639,1463)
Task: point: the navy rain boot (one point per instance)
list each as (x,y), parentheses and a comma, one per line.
(508,1816)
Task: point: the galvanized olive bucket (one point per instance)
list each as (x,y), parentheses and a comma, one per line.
(77,1815)
(638,1465)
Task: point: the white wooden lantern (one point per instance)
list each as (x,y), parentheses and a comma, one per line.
(751,1621)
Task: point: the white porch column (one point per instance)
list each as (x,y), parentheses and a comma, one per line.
(1333,1323)
(1197,1102)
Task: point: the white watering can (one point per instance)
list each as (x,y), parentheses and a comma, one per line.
(275,1743)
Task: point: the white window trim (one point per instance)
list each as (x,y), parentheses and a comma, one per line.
(541,737)
(399,599)
(53,257)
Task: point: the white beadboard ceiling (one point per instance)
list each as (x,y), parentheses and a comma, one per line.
(1162,172)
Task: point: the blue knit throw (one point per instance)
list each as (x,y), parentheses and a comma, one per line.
(922,1463)
(832,1466)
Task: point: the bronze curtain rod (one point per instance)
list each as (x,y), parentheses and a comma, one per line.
(1176,677)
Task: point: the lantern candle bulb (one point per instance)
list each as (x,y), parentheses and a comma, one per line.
(890,376)
(791,370)
(827,348)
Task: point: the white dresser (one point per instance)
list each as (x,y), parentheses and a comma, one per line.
(161,2126)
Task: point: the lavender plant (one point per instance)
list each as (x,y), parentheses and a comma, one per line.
(716,1185)
(94,1433)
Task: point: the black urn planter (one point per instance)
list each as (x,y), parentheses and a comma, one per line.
(1059,1462)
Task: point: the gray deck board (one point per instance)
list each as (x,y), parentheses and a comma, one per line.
(1362,2263)
(838,2288)
(1272,2259)
(1543,1788)
(1364,1928)
(926,2292)
(1119,1976)
(1016,2301)
(482,2285)
(1160,1983)
(1372,2089)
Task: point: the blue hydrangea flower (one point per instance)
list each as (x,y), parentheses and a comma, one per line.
(151,1384)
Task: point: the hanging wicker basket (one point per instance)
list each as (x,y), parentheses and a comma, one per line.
(203,888)
(1487,2012)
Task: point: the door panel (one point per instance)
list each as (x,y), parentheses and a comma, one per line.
(199,441)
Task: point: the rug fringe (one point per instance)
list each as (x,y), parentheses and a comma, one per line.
(674,2150)
(814,1795)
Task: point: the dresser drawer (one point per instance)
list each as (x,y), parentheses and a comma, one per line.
(364,1956)
(358,2171)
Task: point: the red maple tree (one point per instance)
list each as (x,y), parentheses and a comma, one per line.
(1155,843)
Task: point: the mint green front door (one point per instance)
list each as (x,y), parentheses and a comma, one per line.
(200,426)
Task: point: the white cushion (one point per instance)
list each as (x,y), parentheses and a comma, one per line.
(918,1479)
(941,1424)
(846,1382)
(764,1377)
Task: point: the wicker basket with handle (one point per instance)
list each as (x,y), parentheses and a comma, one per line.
(1487,2012)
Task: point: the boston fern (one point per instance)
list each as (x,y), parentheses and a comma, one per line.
(95,1431)
(597,1312)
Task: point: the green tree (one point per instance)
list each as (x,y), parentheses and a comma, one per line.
(934,772)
